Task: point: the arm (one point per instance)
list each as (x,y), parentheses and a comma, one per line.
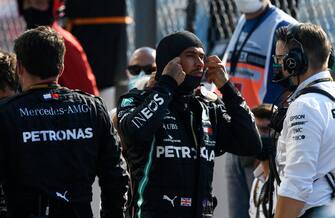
(237,132)
(140,116)
(113,179)
(77,73)
(302,133)
(288,207)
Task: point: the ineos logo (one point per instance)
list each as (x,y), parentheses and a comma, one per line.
(291,63)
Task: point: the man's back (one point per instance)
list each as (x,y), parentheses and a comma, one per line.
(55,142)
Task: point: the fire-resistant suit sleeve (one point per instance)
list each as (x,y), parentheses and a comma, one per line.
(140,113)
(237,132)
(113,179)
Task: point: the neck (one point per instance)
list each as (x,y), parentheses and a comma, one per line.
(30,82)
(310,72)
(6,93)
(258,13)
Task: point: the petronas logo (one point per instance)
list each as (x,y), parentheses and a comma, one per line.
(126,102)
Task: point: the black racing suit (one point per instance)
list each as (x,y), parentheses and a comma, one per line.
(54,141)
(170,144)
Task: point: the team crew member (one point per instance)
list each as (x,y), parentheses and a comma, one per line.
(54,141)
(172,135)
(306,146)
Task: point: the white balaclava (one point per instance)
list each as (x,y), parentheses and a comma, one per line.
(249,6)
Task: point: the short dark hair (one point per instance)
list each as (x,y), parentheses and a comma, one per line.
(263,111)
(316,44)
(313,39)
(8,77)
(41,51)
(281,33)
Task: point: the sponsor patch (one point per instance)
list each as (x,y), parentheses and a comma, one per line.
(297,117)
(170,139)
(299,137)
(184,152)
(298,123)
(147,112)
(297,130)
(54,111)
(57,135)
(171,200)
(186,202)
(127,102)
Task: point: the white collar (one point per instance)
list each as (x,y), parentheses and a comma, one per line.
(310,80)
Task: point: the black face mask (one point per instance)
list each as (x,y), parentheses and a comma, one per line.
(34,17)
(188,85)
(279,78)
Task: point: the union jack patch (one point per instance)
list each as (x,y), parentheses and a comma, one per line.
(186,202)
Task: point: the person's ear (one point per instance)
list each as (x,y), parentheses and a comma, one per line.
(19,68)
(61,71)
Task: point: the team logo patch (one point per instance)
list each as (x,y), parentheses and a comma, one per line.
(171,200)
(127,102)
(186,202)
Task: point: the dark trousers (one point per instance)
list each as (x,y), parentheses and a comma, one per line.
(57,209)
(313,212)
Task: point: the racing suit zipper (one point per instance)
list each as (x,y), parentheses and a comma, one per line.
(193,133)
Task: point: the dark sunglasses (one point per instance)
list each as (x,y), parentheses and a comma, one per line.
(136,69)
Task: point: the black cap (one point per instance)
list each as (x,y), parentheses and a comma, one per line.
(172,46)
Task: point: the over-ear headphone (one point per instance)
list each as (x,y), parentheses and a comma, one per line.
(295,62)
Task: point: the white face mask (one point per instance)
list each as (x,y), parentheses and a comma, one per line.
(249,6)
(139,81)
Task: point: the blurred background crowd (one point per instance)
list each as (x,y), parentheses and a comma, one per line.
(109,31)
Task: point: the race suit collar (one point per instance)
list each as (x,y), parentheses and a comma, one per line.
(44,85)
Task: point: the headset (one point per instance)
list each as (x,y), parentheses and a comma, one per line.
(296,61)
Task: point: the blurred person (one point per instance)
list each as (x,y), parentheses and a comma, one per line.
(55,140)
(140,67)
(306,149)
(8,78)
(263,115)
(101,28)
(8,87)
(77,70)
(249,64)
(172,136)
(141,73)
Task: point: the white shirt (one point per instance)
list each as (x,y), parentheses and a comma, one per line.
(306,146)
(256,188)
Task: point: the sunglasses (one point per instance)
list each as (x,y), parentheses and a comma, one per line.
(278,58)
(136,69)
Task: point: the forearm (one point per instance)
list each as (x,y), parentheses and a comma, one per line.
(242,137)
(288,207)
(141,118)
